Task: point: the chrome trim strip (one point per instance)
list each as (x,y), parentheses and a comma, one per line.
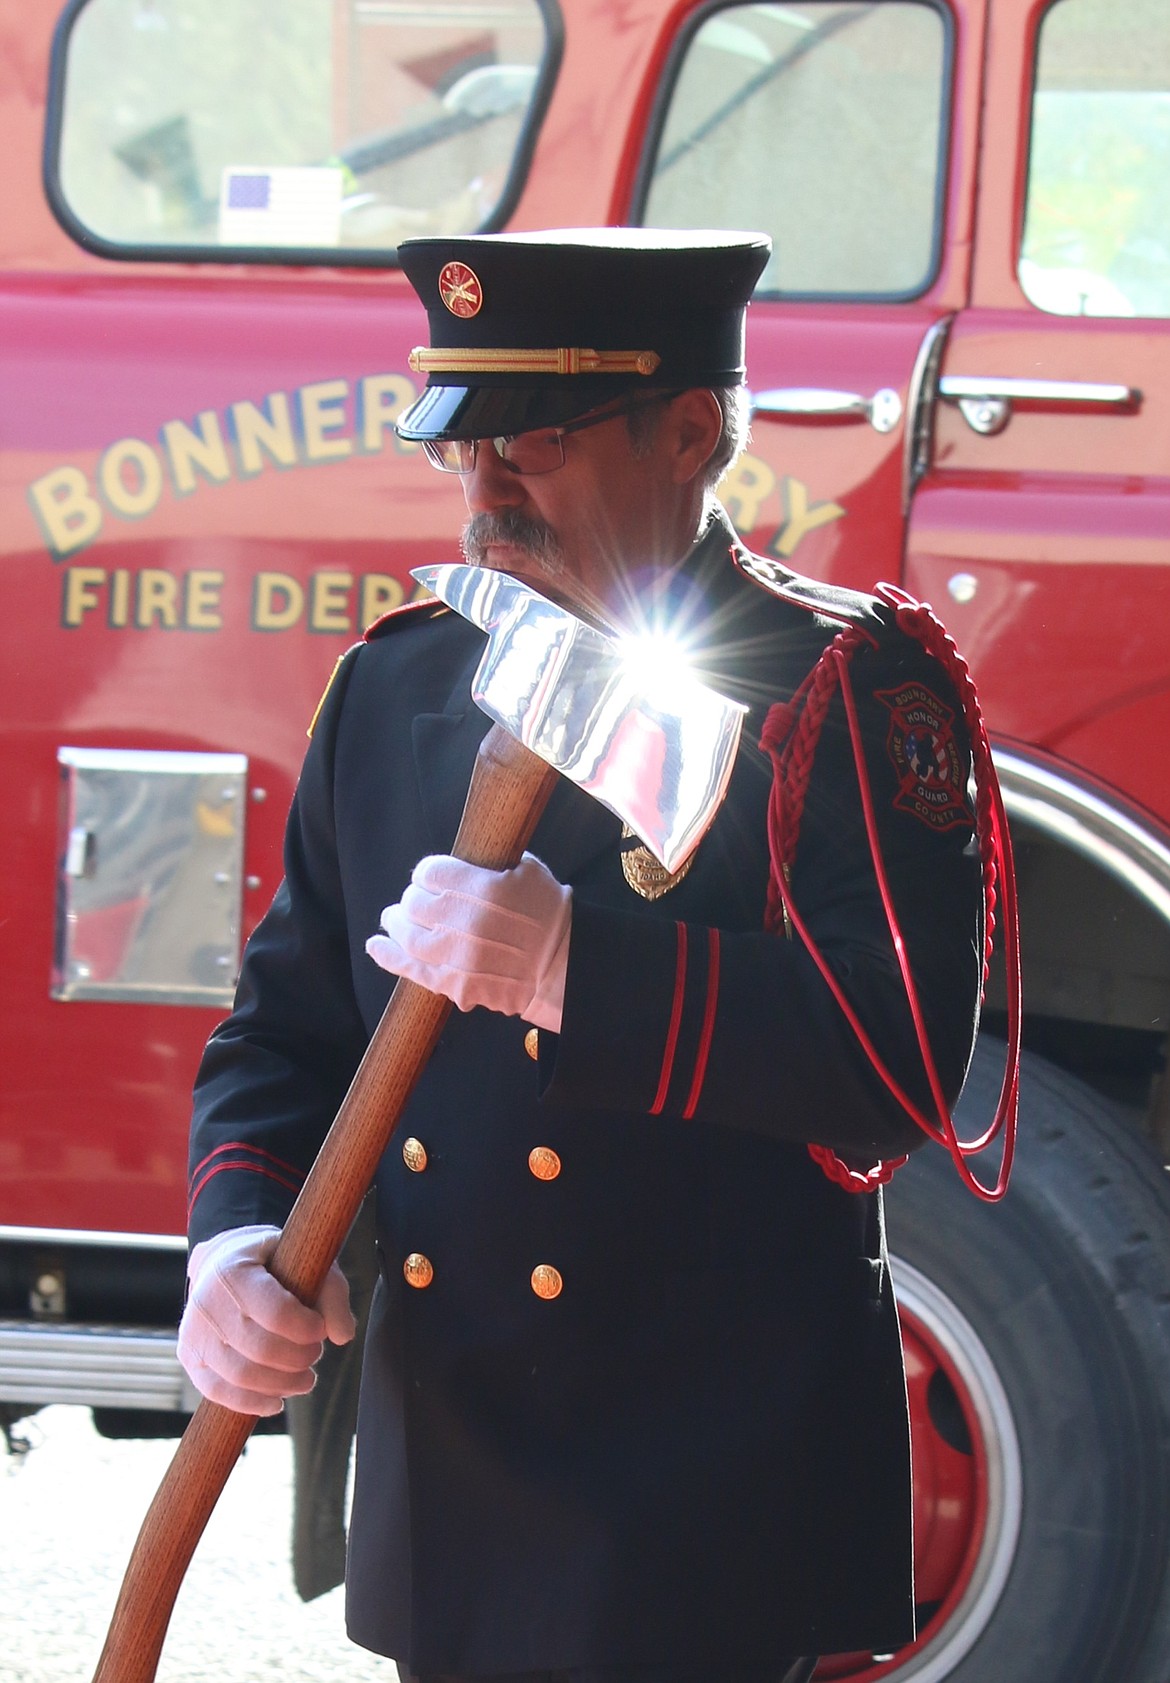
(103,1367)
(921,393)
(883,410)
(180,761)
(956,387)
(209,998)
(808,400)
(86,1236)
(1115,840)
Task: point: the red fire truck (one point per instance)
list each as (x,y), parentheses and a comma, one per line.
(960,366)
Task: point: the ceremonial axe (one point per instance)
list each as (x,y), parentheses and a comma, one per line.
(622,719)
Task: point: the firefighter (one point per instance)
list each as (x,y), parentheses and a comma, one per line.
(633,1403)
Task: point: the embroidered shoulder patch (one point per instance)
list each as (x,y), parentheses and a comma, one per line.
(921,743)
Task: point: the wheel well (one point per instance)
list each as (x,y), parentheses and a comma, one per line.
(1096,971)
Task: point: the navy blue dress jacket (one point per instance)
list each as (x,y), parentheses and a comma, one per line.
(699,1448)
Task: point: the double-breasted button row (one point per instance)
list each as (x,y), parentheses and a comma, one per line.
(542,1159)
(543,1162)
(546,1281)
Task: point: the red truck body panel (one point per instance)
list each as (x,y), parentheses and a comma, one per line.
(203,502)
(174,595)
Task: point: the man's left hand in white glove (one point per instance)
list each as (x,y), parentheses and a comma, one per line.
(494,938)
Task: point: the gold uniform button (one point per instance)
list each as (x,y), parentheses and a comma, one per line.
(414,1155)
(532,1043)
(544,1162)
(418,1270)
(546,1282)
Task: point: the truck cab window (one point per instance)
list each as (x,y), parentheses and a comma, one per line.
(821,122)
(185,127)
(1097,227)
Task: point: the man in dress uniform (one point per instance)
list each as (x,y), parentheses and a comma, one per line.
(633,1404)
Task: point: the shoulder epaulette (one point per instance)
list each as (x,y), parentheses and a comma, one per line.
(328,686)
(830,601)
(426,607)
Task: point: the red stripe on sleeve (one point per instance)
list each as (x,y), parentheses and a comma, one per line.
(242,1168)
(708,1023)
(680,984)
(243,1145)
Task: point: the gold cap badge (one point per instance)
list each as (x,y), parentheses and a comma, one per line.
(460,289)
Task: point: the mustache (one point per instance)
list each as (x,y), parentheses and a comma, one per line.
(520,531)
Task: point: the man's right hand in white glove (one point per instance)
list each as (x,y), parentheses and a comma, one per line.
(244,1340)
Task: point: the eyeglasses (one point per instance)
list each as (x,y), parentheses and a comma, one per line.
(529,453)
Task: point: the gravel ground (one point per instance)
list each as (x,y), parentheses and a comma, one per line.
(70,1510)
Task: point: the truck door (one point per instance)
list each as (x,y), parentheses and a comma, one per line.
(1043,526)
(847,132)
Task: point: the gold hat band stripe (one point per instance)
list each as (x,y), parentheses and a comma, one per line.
(565,359)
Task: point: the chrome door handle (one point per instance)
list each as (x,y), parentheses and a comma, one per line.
(883,410)
(985,401)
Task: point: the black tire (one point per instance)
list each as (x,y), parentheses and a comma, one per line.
(1054,1306)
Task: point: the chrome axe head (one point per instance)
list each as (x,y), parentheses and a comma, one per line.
(620,717)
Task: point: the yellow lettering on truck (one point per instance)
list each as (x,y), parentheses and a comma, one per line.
(322,415)
(130,478)
(203,450)
(66,510)
(263,431)
(278,601)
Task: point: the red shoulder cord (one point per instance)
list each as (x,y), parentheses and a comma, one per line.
(791,733)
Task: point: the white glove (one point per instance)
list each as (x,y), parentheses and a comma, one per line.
(244,1340)
(494,938)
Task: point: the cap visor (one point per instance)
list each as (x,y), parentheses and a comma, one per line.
(492,411)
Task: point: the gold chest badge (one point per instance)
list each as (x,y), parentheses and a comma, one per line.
(645,874)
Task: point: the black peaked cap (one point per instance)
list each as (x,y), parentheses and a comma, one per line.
(613,310)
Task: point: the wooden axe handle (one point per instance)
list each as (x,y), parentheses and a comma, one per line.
(509,789)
